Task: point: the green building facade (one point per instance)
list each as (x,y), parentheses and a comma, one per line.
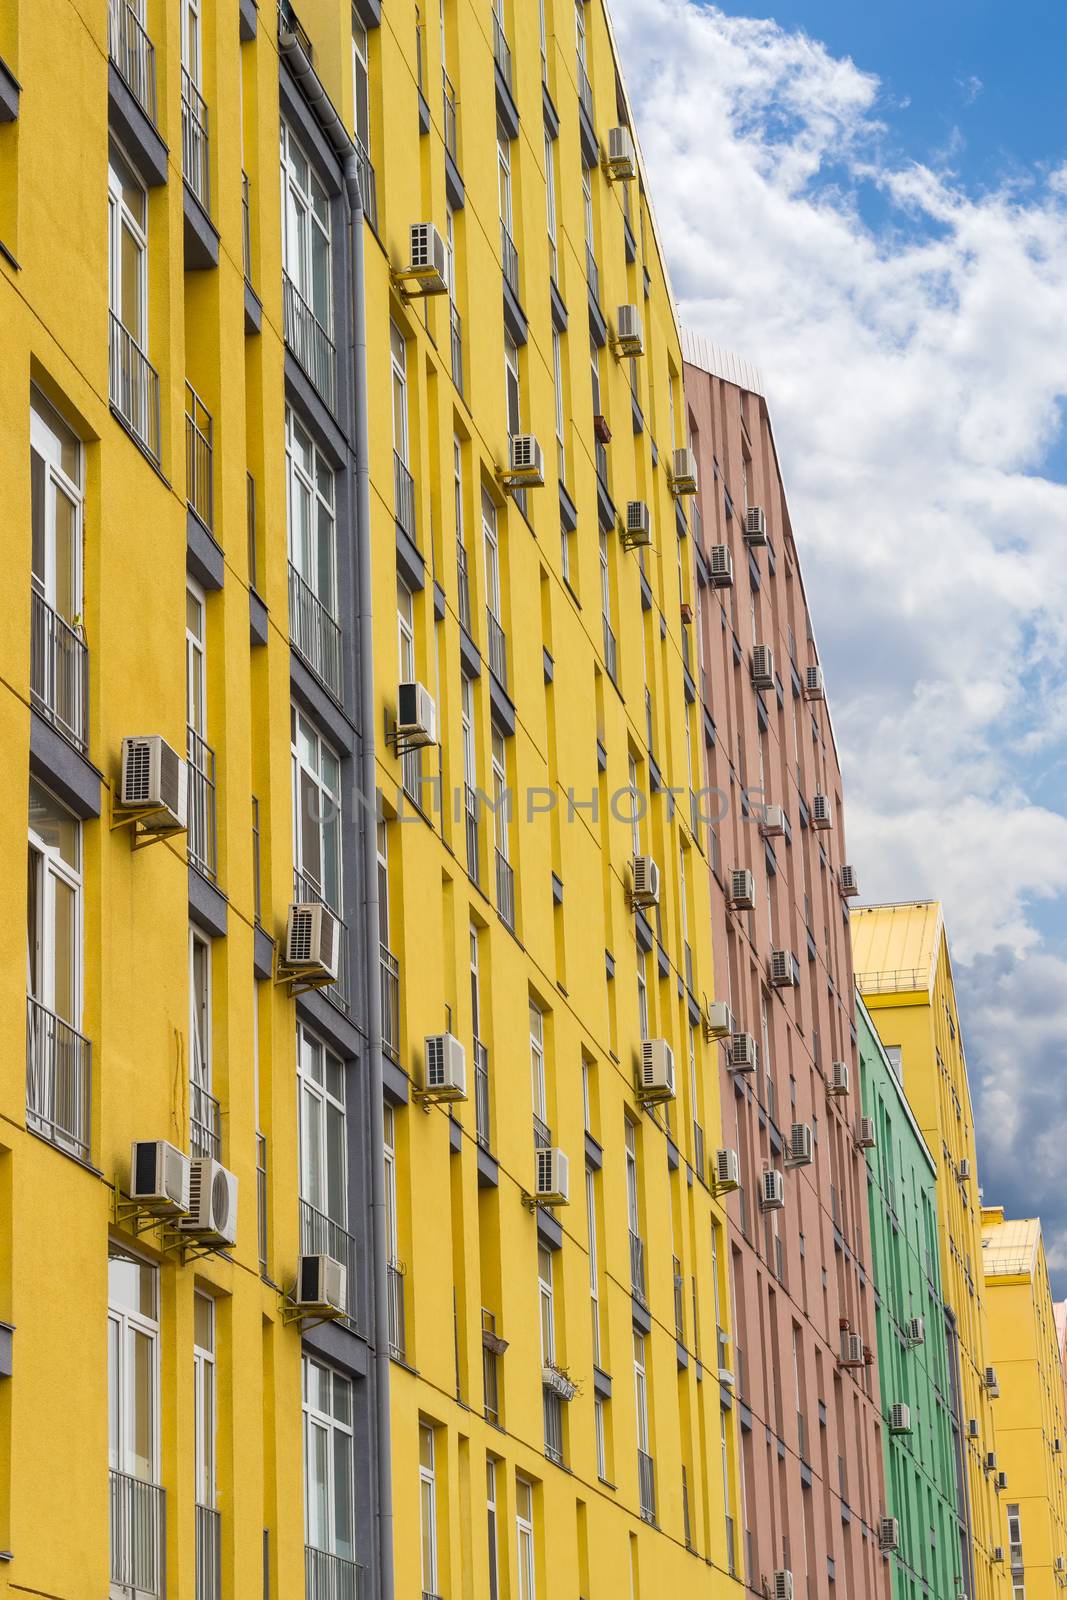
(914,1371)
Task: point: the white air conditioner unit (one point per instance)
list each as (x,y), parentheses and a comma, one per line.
(657,1070)
(645,892)
(755,525)
(416,716)
(972,1427)
(637,529)
(727,1170)
(1002,1481)
(322,1285)
(212,1215)
(801,1145)
(621,159)
(848,881)
(721,566)
(312,943)
(526,460)
(445,1067)
(813,684)
(992,1383)
(427,271)
(743,1053)
(865,1134)
(888,1535)
(991,1461)
(154,778)
(742,889)
(964,1169)
(1060,1563)
(916,1331)
(683,472)
(763,666)
(772,1190)
(773,824)
(629,334)
(552,1177)
(852,1351)
(159,1177)
(1057,1447)
(899,1418)
(998,1553)
(839,1078)
(782,1584)
(785,970)
(821,813)
(719,1020)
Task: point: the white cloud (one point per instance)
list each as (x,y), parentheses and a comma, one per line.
(915,373)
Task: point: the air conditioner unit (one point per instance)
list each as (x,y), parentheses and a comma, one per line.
(839,1078)
(888,1535)
(1002,1481)
(743,1053)
(773,824)
(801,1145)
(657,1070)
(727,1170)
(446,1067)
(899,1418)
(629,335)
(645,890)
(772,1190)
(683,472)
(416,716)
(972,1427)
(991,1461)
(1057,1447)
(212,1215)
(813,684)
(848,881)
(763,666)
(782,1584)
(865,1134)
(721,566)
(755,525)
(621,159)
(719,1020)
(159,1177)
(916,1331)
(322,1285)
(852,1351)
(154,777)
(821,813)
(992,1383)
(526,461)
(637,529)
(1060,1563)
(552,1186)
(785,970)
(964,1169)
(742,889)
(427,272)
(998,1553)
(312,942)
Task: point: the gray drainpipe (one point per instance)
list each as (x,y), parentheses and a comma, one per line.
(359,480)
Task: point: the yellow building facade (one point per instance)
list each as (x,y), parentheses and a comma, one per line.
(1031,1421)
(904,974)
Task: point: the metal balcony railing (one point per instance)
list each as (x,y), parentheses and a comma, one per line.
(390,978)
(134,55)
(611,652)
(205,1122)
(646,1485)
(450,121)
(138,1527)
(404,496)
(542,1133)
(497,648)
(509,259)
(201,840)
(698,1150)
(368,184)
(134,387)
(208,1553)
(395,1286)
(470,806)
(637,1267)
(592,272)
(199,458)
(505,890)
(314,634)
(463,587)
(261,1199)
(585,93)
(195,145)
(289,22)
(59,672)
(305,888)
(309,341)
(59,1081)
(553,1414)
(481,1094)
(246,226)
(321,1235)
(457,349)
(502,51)
(330,1577)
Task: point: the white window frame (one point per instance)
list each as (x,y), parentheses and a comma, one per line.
(196,660)
(335,1434)
(318,1100)
(491,551)
(492,1527)
(501,832)
(303,488)
(642,996)
(550,207)
(512,386)
(204,1405)
(557,380)
(538,1087)
(53,869)
(306,223)
(633,1209)
(398,358)
(361,75)
(201,1048)
(466,717)
(428,1509)
(125,1326)
(328,807)
(192,40)
(641,1393)
(546,1300)
(503,173)
(524,1536)
(594,1266)
(392,1228)
(121,176)
(47,446)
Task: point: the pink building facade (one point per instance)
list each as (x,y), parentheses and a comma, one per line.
(805,1385)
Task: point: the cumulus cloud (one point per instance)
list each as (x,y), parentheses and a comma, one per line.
(916,368)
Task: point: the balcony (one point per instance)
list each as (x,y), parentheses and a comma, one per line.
(463,587)
(457,350)
(201,840)
(195,146)
(481,1094)
(261,1200)
(395,1307)
(138,1527)
(205,1123)
(309,342)
(497,648)
(134,56)
(329,1577)
(208,1553)
(306,889)
(58,1081)
(320,1235)
(315,635)
(368,184)
(59,672)
(505,890)
(509,259)
(611,653)
(404,496)
(637,1267)
(646,1486)
(470,806)
(199,456)
(389,968)
(134,388)
(450,124)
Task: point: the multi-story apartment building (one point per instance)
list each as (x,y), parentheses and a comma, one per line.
(1031,1450)
(904,973)
(799,1236)
(921,1535)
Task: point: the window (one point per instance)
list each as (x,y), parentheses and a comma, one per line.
(306,246)
(323,1152)
(546,1302)
(642,995)
(594,373)
(594,1274)
(636,806)
(316,814)
(395,1272)
(641,1392)
(491,546)
(329,1467)
(411,760)
(525,1535)
(476,987)
(466,713)
(550,206)
(631,1177)
(58,680)
(503,173)
(54,911)
(195,663)
(579,21)
(310,511)
(537,1073)
(491,1525)
(133,1398)
(204,1398)
(204,1119)
(599,1427)
(428,1502)
(557,377)
(512,396)
(127,250)
(361,84)
(191,31)
(587,212)
(399,358)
